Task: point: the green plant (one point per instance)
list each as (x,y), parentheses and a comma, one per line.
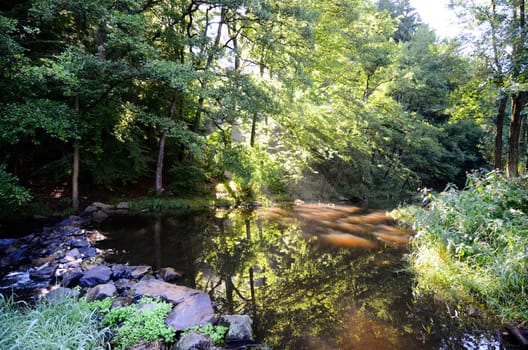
(216,333)
(473,244)
(11,194)
(66,323)
(134,323)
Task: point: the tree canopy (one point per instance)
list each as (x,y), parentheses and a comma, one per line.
(314,99)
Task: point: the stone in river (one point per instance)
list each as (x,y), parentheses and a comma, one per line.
(195,310)
(100,292)
(97,275)
(166,291)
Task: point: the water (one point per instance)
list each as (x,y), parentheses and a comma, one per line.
(311,277)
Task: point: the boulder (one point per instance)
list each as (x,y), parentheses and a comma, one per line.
(100,292)
(240,328)
(136,272)
(193,341)
(157,345)
(97,275)
(169,274)
(44,273)
(166,291)
(71,278)
(195,310)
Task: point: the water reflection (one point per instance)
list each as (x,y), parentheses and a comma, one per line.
(311,276)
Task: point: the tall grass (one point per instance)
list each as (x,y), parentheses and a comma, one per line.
(66,323)
(472,245)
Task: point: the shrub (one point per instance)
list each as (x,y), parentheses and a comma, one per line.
(473,244)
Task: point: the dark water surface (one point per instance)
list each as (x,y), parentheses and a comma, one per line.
(311,276)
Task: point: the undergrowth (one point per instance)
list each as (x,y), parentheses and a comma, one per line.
(472,244)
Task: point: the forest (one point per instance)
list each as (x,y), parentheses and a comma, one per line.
(302,99)
(237,102)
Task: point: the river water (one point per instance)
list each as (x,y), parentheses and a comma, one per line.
(311,276)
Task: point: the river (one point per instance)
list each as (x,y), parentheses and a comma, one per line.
(311,276)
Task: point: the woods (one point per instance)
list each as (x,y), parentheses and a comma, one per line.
(304,99)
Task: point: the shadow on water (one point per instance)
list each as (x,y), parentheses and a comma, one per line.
(311,276)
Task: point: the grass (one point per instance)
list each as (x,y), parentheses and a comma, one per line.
(161,204)
(67,323)
(472,244)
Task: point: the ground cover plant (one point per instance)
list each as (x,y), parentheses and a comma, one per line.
(472,244)
(216,333)
(144,321)
(63,323)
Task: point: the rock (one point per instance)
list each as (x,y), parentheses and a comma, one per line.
(193,341)
(169,274)
(99,216)
(95,236)
(157,345)
(78,243)
(196,310)
(89,252)
(240,328)
(74,253)
(44,273)
(136,272)
(123,205)
(166,291)
(100,292)
(97,275)
(60,293)
(120,271)
(71,278)
(19,256)
(45,260)
(6,243)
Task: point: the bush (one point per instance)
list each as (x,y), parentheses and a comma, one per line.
(473,244)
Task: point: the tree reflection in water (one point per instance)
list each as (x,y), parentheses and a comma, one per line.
(304,290)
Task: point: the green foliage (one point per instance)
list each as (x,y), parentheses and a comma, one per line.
(133,323)
(12,195)
(216,333)
(26,120)
(66,323)
(473,243)
(187,179)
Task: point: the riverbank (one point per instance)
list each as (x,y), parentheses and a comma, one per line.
(62,261)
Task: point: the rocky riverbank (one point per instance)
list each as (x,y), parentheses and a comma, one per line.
(63,259)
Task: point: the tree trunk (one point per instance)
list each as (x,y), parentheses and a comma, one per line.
(75,177)
(518,102)
(75,170)
(208,62)
(499,131)
(253,130)
(159,164)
